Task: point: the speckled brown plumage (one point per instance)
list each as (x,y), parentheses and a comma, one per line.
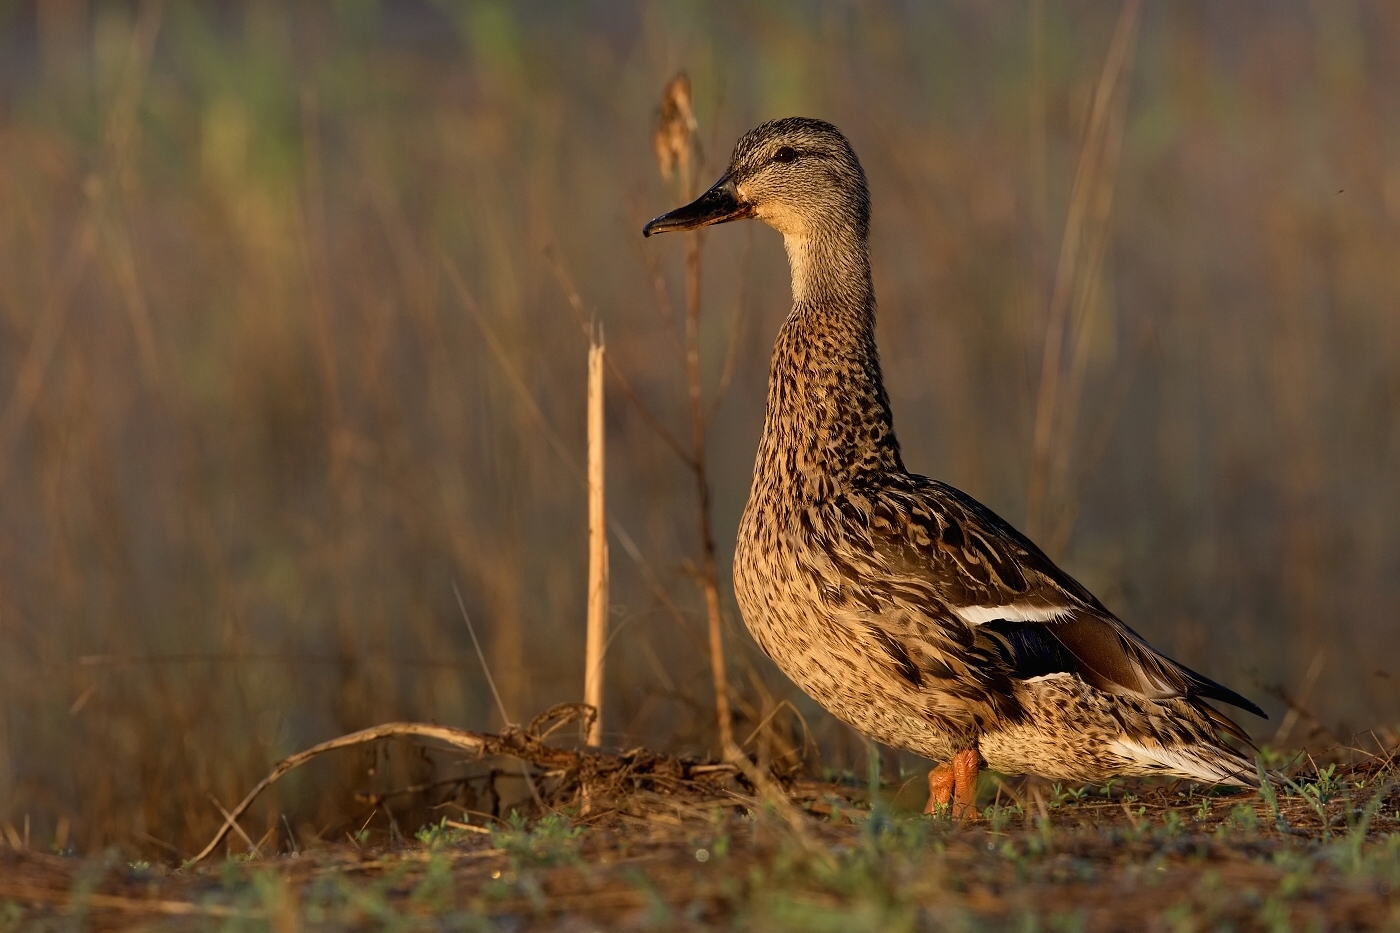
(905,607)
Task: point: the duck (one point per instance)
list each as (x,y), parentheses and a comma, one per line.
(902,605)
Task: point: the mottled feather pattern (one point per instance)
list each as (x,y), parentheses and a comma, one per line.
(905,607)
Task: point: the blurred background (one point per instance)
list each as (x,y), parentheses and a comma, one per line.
(284,356)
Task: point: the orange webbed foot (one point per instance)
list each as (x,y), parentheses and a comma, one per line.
(955,784)
(940,788)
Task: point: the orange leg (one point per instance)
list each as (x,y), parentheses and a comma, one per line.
(940,787)
(955,784)
(966,765)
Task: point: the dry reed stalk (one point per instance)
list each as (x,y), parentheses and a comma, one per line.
(676,145)
(1039,164)
(1080,261)
(597,542)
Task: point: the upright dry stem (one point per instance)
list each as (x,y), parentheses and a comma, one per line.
(709,568)
(1078,263)
(676,146)
(597,544)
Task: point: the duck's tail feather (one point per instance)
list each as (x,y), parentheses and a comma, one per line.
(1225,724)
(1210,764)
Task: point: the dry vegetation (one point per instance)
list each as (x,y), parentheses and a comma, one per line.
(289,349)
(646,842)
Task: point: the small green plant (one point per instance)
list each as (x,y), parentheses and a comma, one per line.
(1326,784)
(552,841)
(1139,826)
(437,835)
(436,882)
(1244,817)
(1266,790)
(1349,853)
(941,811)
(1203,811)
(1316,794)
(999,817)
(1060,795)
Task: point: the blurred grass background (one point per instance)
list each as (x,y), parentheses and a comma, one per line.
(251,433)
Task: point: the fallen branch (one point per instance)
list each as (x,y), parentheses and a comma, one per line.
(582,772)
(525,744)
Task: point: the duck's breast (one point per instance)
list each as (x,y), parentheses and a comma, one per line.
(790,597)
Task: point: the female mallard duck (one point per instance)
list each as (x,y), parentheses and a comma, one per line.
(905,607)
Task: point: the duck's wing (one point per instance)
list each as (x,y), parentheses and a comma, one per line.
(1039,619)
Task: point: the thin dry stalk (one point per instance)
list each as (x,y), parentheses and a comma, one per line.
(1078,263)
(253,847)
(1086,306)
(1096,446)
(1296,708)
(1040,197)
(676,146)
(597,543)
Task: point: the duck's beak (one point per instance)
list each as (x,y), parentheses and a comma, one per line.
(719,204)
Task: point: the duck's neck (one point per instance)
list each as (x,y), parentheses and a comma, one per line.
(828,419)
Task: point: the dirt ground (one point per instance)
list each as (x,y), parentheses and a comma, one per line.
(648,842)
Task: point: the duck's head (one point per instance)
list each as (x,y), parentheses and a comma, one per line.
(798,175)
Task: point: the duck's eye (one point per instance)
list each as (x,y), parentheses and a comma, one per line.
(785,154)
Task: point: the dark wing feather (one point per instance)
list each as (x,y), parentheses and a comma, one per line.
(1121,657)
(1029,650)
(970,557)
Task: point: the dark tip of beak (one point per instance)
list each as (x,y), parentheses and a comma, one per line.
(716,206)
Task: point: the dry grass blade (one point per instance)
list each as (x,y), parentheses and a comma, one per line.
(1077,270)
(480,655)
(517,381)
(230,821)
